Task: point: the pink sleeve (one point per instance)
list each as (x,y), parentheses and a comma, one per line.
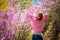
(45,16)
(30,16)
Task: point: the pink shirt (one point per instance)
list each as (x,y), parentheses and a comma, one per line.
(37,26)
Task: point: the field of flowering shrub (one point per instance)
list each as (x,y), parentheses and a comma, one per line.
(14,23)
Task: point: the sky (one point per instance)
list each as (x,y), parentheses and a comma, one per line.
(35,2)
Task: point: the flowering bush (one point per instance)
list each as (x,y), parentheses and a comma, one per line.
(12,24)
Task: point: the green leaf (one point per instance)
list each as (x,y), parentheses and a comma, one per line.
(4,7)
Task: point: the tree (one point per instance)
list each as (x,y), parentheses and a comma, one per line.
(52,25)
(24,4)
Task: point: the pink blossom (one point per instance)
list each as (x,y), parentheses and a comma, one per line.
(3,38)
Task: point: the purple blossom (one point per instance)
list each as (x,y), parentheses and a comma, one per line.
(1,27)
(3,38)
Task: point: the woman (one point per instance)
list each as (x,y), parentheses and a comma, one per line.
(37,24)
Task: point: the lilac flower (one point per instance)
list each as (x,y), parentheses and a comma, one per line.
(3,38)
(1,27)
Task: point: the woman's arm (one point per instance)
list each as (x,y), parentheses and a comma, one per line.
(45,16)
(30,16)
